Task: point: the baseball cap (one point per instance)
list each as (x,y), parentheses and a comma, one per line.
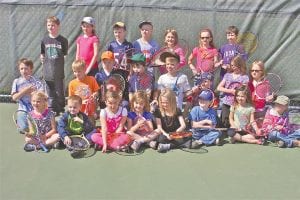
(119,25)
(204,76)
(144,23)
(168,54)
(206,95)
(88,20)
(282,100)
(139,57)
(107,55)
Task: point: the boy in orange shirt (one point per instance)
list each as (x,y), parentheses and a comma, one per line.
(86,87)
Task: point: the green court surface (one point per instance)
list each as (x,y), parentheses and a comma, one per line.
(232,171)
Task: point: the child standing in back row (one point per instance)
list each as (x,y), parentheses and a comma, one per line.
(88,46)
(231,49)
(54,48)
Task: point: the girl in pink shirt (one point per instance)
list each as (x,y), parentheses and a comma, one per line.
(88,46)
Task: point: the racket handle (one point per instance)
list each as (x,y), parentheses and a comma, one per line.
(44,147)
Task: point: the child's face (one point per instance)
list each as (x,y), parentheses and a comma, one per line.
(52,28)
(164,103)
(74,107)
(119,34)
(205,38)
(280,108)
(241,98)
(231,37)
(38,103)
(256,72)
(171,65)
(138,68)
(25,71)
(108,64)
(170,39)
(204,104)
(235,69)
(79,73)
(146,31)
(87,29)
(112,104)
(139,106)
(206,84)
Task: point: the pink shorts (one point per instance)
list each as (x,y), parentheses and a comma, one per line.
(115,141)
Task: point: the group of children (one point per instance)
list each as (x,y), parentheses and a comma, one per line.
(148,110)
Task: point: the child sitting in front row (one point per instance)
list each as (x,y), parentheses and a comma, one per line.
(241,114)
(45,120)
(112,121)
(203,121)
(139,122)
(74,122)
(276,124)
(169,119)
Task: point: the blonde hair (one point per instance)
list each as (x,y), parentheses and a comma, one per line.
(211,43)
(26,62)
(53,19)
(140,96)
(261,65)
(40,95)
(74,98)
(245,90)
(174,33)
(239,62)
(171,97)
(113,95)
(78,64)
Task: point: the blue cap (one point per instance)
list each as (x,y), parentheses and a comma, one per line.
(204,76)
(206,95)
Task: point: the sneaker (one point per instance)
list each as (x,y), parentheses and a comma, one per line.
(280,144)
(29,147)
(218,142)
(296,143)
(162,148)
(153,145)
(231,140)
(136,146)
(58,145)
(196,143)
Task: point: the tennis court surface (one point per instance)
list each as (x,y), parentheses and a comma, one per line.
(232,171)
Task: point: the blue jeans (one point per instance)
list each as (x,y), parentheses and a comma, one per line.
(207,137)
(276,136)
(22,122)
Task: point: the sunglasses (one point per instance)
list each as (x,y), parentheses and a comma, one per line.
(202,38)
(255,70)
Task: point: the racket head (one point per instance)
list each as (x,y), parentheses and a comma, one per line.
(249,41)
(155,59)
(275,82)
(180,135)
(262,90)
(78,143)
(115,82)
(207,66)
(20,120)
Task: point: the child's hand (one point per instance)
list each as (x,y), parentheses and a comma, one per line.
(104,148)
(207,122)
(77,119)
(270,98)
(67,141)
(278,127)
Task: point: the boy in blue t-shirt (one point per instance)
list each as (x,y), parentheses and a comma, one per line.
(203,121)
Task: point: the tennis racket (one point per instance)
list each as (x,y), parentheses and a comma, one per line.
(90,106)
(249,41)
(233,86)
(269,86)
(115,82)
(32,129)
(124,58)
(81,146)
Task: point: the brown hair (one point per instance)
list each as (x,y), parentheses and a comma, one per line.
(171,97)
(174,33)
(140,96)
(78,64)
(232,29)
(244,89)
(53,19)
(211,43)
(113,94)
(26,62)
(239,62)
(75,98)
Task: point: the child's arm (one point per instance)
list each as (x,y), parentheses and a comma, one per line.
(77,51)
(190,63)
(53,128)
(104,133)
(94,59)
(221,88)
(61,129)
(160,129)
(120,128)
(231,120)
(206,123)
(182,124)
(25,91)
